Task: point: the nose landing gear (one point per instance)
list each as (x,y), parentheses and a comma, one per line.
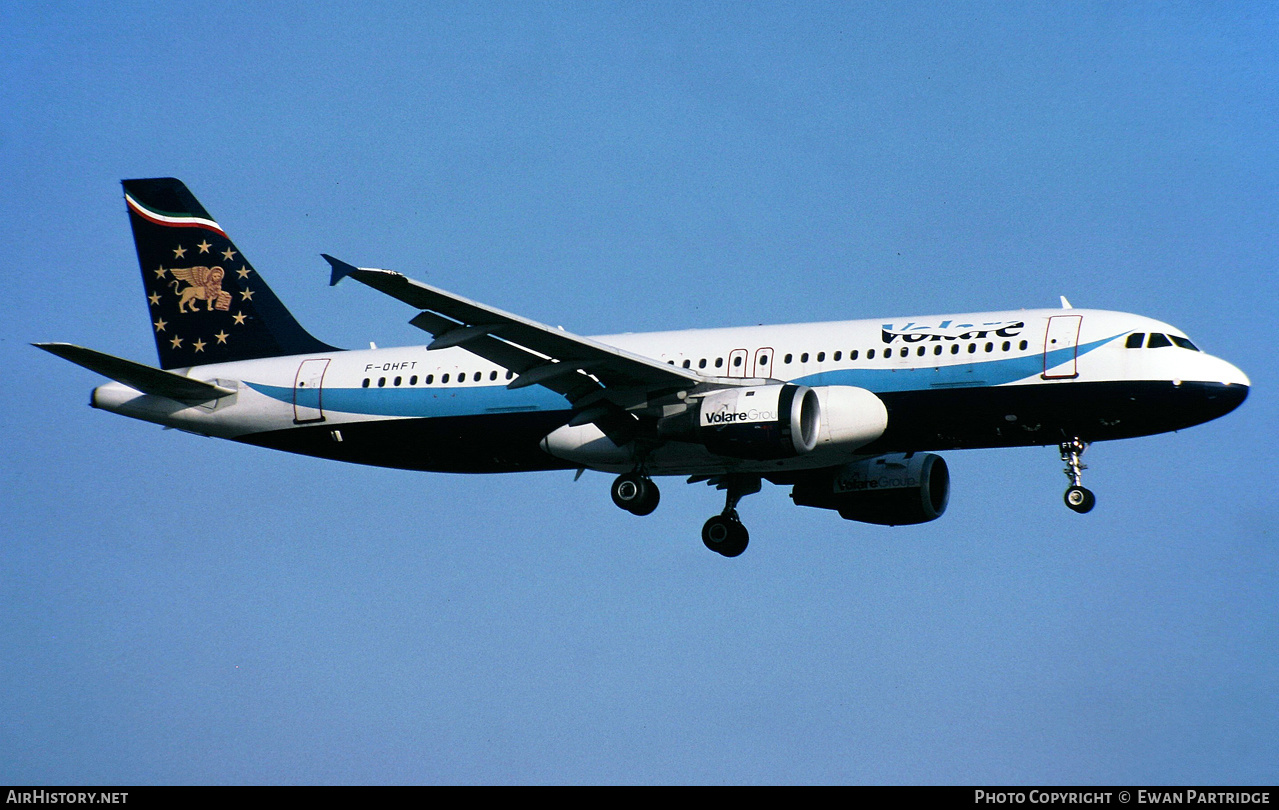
(1077,497)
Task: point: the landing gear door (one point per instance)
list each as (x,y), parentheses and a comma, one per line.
(1061,345)
(308,391)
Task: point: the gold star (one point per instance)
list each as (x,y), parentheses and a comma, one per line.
(228,253)
(155,299)
(239,318)
(221,336)
(176,342)
(247,295)
(204,246)
(198,345)
(179,252)
(160,273)
(160,324)
(243,272)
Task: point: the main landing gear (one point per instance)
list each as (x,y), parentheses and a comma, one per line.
(724,533)
(636,493)
(1077,496)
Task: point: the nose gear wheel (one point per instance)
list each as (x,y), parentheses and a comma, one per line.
(1077,496)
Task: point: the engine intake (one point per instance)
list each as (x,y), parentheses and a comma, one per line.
(892,490)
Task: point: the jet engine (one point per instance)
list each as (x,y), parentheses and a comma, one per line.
(780,420)
(892,490)
(751,422)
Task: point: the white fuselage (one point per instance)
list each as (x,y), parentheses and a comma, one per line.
(1035,352)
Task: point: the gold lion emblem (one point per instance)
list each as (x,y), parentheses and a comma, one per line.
(204,284)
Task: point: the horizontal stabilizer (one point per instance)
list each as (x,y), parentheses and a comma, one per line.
(144,378)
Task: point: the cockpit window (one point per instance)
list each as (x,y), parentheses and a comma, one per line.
(1134,340)
(1184,343)
(1158,341)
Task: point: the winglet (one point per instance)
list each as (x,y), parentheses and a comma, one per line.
(1065,304)
(340,269)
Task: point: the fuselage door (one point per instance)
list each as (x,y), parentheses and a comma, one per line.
(737,363)
(763,362)
(308,391)
(1061,345)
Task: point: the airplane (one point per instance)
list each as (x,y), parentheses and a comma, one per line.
(848,414)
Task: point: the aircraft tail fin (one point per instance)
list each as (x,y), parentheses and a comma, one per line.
(207,303)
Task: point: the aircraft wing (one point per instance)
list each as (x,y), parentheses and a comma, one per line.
(572,365)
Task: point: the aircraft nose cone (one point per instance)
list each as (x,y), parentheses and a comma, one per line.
(1237,377)
(1234,394)
(1229,390)
(1227,374)
(1235,387)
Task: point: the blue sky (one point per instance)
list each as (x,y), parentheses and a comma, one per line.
(180,610)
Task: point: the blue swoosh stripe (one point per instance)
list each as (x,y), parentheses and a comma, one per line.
(922,378)
(471,401)
(459,401)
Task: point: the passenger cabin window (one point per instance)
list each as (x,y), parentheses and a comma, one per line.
(1157,341)
(1134,340)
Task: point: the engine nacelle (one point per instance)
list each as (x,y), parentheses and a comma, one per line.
(851,417)
(760,421)
(892,490)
